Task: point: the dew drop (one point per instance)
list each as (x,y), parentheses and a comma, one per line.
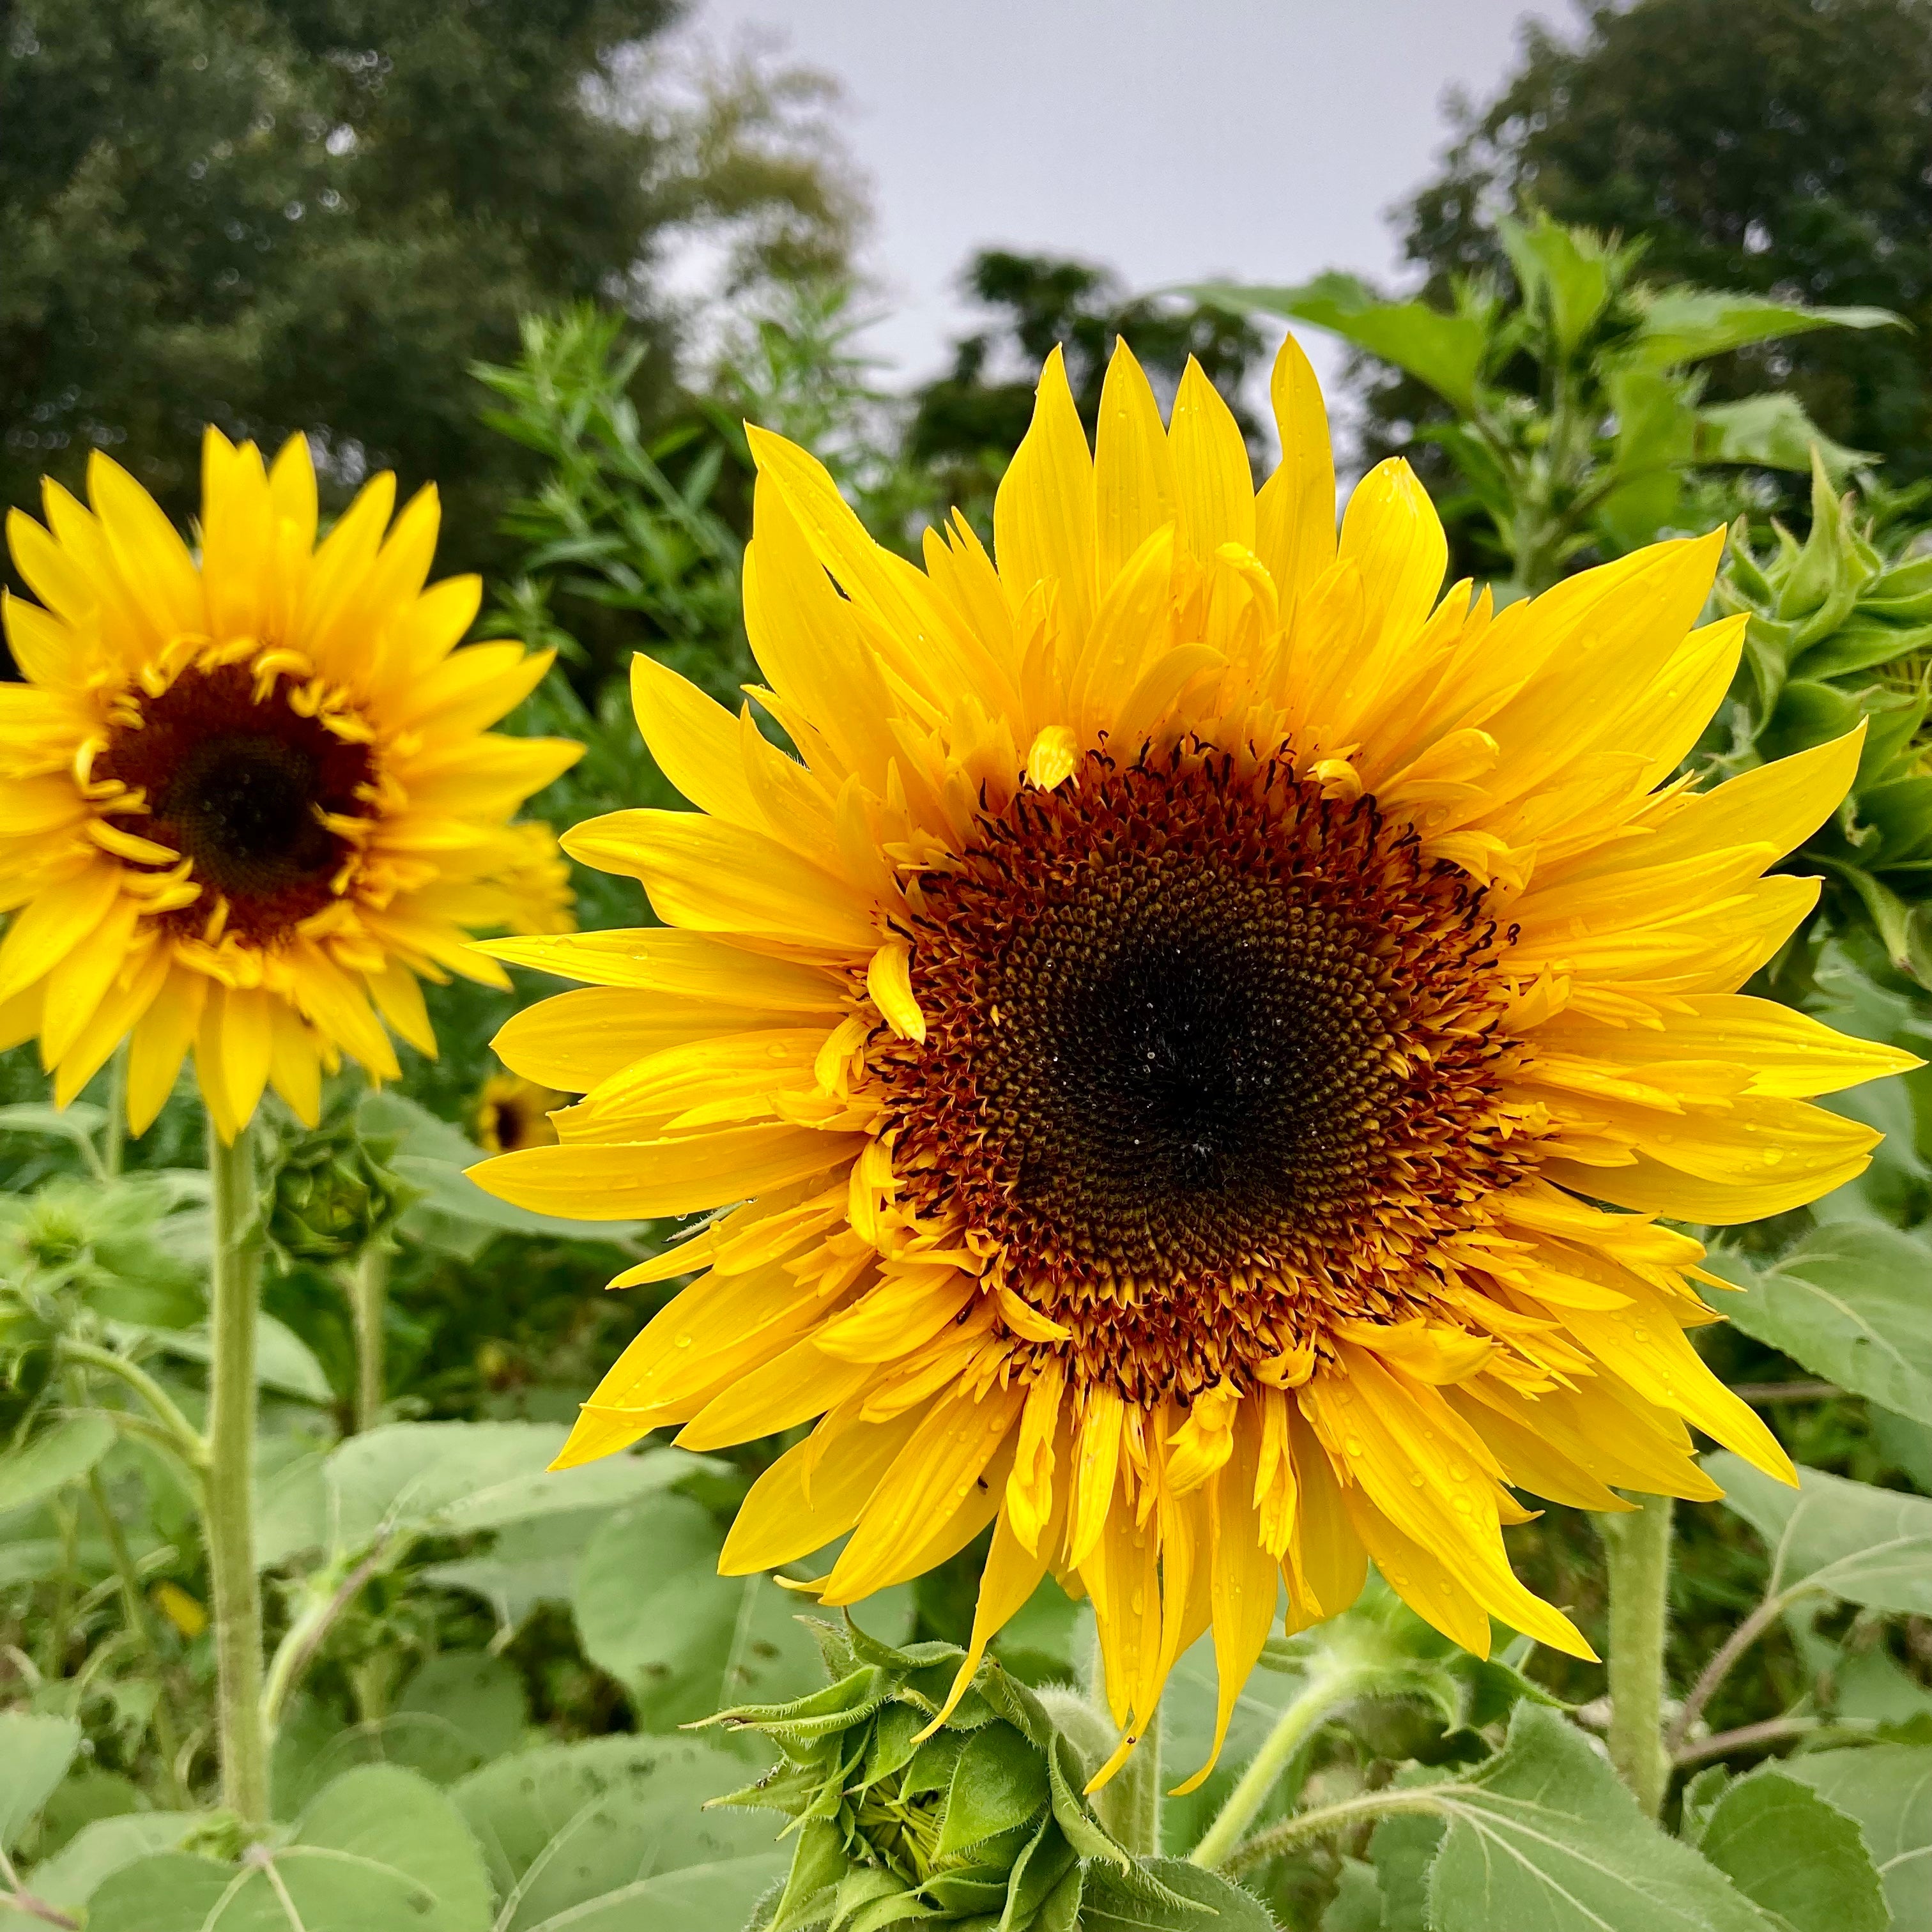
(1353,1445)
(1772,1156)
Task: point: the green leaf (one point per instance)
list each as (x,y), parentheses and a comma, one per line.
(566,1824)
(34,1754)
(54,1458)
(1772,430)
(1402,1849)
(453,1478)
(1560,268)
(1843,1539)
(694,1898)
(1782,1844)
(527,1563)
(999,1783)
(454,1216)
(283,1361)
(1888,1789)
(379,1848)
(72,1876)
(653,1610)
(1848,1301)
(1686,325)
(1356,1906)
(1444,351)
(1545,1835)
(1112,1903)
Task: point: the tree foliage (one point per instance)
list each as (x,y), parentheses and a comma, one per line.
(1773,146)
(318,214)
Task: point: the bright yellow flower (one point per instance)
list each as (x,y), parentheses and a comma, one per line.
(533,881)
(248,800)
(512,1112)
(1171,1038)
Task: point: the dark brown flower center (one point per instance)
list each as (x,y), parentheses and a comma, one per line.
(241,788)
(1209,1055)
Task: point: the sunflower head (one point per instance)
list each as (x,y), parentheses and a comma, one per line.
(512,1112)
(1194,1046)
(247,798)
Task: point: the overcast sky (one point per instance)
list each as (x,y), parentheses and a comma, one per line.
(1173,139)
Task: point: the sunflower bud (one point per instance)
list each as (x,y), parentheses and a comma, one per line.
(335,1194)
(1831,608)
(978,1819)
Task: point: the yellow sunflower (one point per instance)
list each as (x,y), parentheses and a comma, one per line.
(1198,1041)
(247,798)
(512,1112)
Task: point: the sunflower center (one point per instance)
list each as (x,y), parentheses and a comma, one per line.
(1210,1058)
(241,788)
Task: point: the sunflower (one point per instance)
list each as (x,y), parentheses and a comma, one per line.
(247,799)
(512,1112)
(1193,1050)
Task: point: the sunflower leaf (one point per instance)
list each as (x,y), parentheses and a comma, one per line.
(1888,1789)
(1545,1834)
(1782,1844)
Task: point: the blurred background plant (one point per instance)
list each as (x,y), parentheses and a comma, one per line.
(1647,303)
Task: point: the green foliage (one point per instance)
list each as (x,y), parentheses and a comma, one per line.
(1764,146)
(289,216)
(1578,419)
(1839,631)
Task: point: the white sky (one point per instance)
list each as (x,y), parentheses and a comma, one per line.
(1264,139)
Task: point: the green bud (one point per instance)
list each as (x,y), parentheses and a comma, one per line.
(335,1194)
(980,1822)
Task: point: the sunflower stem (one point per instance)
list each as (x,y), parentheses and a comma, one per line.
(368,1297)
(1639,1549)
(1320,1699)
(235,1587)
(114,1139)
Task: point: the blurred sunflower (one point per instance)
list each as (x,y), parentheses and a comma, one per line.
(1170,1039)
(512,1112)
(248,799)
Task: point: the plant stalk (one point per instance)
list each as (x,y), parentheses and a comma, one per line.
(134,1612)
(115,1135)
(229,1519)
(1323,1696)
(1639,1548)
(368,1297)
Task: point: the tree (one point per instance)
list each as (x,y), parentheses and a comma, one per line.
(1777,146)
(319,214)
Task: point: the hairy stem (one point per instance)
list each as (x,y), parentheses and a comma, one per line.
(1639,1547)
(1324,1694)
(180,1433)
(1320,1823)
(228,1517)
(1723,1660)
(368,1295)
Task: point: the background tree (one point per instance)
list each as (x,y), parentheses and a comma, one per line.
(272,214)
(1777,146)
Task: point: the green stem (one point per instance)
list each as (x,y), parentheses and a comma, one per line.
(368,1293)
(1304,1825)
(115,1136)
(1639,1547)
(1319,1699)
(235,1588)
(134,1610)
(187,1440)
